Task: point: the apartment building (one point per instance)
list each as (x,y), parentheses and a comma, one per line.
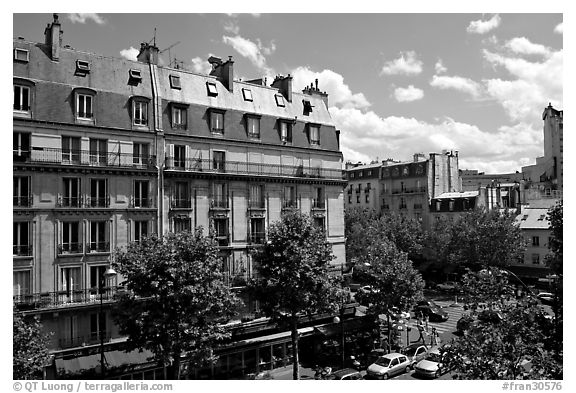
(107,150)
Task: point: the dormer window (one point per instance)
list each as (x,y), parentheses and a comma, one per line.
(175,82)
(285,129)
(217,121)
(135,76)
(21,98)
(84,108)
(212,90)
(253,126)
(247,94)
(21,55)
(307,107)
(314,134)
(82,67)
(279,100)
(140,112)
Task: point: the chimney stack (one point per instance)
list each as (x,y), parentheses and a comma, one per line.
(148,54)
(284,86)
(223,71)
(53,37)
(313,90)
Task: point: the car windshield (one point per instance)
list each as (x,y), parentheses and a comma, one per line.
(433,357)
(410,351)
(384,362)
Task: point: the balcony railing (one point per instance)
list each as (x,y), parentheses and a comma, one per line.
(219,203)
(81,341)
(256,204)
(246,168)
(141,202)
(289,204)
(223,240)
(181,203)
(86,158)
(98,247)
(22,250)
(22,201)
(70,248)
(64,201)
(406,190)
(97,202)
(257,238)
(318,203)
(64,298)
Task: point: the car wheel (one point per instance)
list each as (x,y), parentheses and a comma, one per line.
(385,376)
(437,374)
(407,369)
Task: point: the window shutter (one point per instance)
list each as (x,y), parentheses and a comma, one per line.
(187,158)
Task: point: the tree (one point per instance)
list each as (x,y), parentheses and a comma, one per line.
(30,348)
(293,274)
(488,286)
(176,299)
(355,223)
(555,261)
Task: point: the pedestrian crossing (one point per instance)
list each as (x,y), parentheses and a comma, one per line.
(449,326)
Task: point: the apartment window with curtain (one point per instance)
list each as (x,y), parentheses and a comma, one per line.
(71,149)
(181,196)
(219,195)
(140,153)
(257,232)
(139,112)
(289,197)
(219,161)
(99,193)
(21,99)
(179,156)
(179,117)
(140,230)
(71,196)
(84,108)
(21,283)
(98,151)
(256,196)
(285,131)
(253,126)
(21,238)
(20,146)
(314,134)
(71,238)
(318,201)
(99,236)
(21,191)
(141,193)
(71,283)
(217,122)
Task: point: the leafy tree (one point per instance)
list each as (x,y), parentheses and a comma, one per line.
(514,348)
(30,348)
(555,262)
(176,300)
(293,274)
(393,279)
(355,223)
(488,286)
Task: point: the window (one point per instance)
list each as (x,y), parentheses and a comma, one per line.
(219,161)
(320,222)
(257,232)
(84,106)
(217,122)
(256,196)
(182,224)
(97,277)
(307,107)
(98,151)
(21,55)
(98,193)
(21,98)
(314,134)
(140,230)
(21,283)
(349,198)
(535,259)
(402,203)
(21,191)
(99,236)
(181,195)
(219,195)
(367,198)
(141,193)
(357,198)
(253,126)
(179,156)
(20,146)
(221,231)
(70,280)
(175,82)
(285,131)
(82,67)
(289,197)
(71,149)
(535,241)
(405,171)
(70,238)
(140,153)
(279,100)
(139,113)
(134,76)
(179,117)
(97,326)
(71,196)
(318,202)
(438,206)
(451,206)
(247,94)
(212,90)
(22,246)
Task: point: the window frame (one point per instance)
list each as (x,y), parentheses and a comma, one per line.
(254,121)
(21,50)
(28,105)
(142,107)
(216,114)
(182,122)
(211,89)
(22,246)
(288,125)
(140,158)
(314,127)
(280,100)
(73,234)
(247,94)
(179,156)
(175,82)
(83,113)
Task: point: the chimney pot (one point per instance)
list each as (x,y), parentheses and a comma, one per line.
(316,81)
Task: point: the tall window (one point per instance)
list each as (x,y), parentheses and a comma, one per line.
(257,232)
(71,237)
(21,239)
(140,113)
(140,230)
(21,191)
(71,149)
(71,197)
(535,259)
(289,197)
(140,152)
(97,277)
(314,135)
(320,222)
(141,193)
(71,279)
(179,156)
(21,283)
(535,241)
(219,195)
(403,203)
(98,193)
(221,230)
(285,131)
(253,126)
(318,201)
(84,106)
(20,146)
(257,196)
(217,122)
(219,161)
(182,224)
(98,151)
(181,195)
(97,326)
(178,117)
(21,98)
(99,236)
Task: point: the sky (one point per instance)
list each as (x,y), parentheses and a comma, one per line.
(398,83)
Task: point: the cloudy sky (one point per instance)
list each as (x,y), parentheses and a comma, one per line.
(398,83)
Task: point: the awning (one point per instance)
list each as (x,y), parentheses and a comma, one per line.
(332,329)
(114,359)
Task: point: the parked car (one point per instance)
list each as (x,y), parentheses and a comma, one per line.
(388,366)
(345,374)
(395,313)
(431,366)
(434,312)
(447,286)
(415,353)
(546,298)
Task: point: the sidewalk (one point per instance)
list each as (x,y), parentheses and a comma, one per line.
(285,373)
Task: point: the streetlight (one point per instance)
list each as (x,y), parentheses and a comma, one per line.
(107,274)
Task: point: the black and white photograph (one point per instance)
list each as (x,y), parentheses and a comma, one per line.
(287,196)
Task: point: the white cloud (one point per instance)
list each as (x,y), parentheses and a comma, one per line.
(407,94)
(482,26)
(201,66)
(406,64)
(459,83)
(439,67)
(366,135)
(522,45)
(559,28)
(252,51)
(83,18)
(130,54)
(231,27)
(339,93)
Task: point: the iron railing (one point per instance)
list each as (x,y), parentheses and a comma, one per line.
(97,202)
(257,238)
(98,247)
(81,341)
(411,190)
(256,204)
(64,201)
(22,250)
(181,203)
(219,203)
(42,300)
(247,168)
(141,202)
(22,201)
(70,248)
(318,203)
(51,155)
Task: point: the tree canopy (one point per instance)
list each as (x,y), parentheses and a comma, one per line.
(30,348)
(176,299)
(293,277)
(556,246)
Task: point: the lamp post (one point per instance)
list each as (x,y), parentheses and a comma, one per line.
(107,274)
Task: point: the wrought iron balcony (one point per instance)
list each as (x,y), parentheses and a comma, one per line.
(51,155)
(181,203)
(98,247)
(97,202)
(141,202)
(64,201)
(22,201)
(408,190)
(318,203)
(22,250)
(42,300)
(289,204)
(257,238)
(81,341)
(247,168)
(256,204)
(70,248)
(219,203)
